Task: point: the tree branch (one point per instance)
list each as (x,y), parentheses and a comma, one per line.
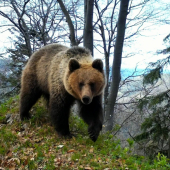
(70,24)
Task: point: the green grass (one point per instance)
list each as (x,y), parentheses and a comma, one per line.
(39,146)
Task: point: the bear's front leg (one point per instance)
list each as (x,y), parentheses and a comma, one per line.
(59,108)
(92,114)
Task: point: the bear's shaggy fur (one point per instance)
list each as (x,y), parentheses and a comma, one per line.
(63,75)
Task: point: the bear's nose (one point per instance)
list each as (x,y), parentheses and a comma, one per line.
(86,100)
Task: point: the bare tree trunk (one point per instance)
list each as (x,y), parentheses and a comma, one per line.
(88,27)
(169,148)
(121,26)
(70,24)
(106,91)
(106,43)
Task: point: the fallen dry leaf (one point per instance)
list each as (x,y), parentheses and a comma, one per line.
(9,154)
(12,168)
(71,150)
(60,146)
(38,140)
(16,160)
(58,161)
(91,150)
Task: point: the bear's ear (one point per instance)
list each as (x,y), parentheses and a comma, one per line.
(73,65)
(98,64)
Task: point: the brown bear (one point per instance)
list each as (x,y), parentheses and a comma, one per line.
(63,75)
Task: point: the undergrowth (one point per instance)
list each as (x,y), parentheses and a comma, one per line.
(34,144)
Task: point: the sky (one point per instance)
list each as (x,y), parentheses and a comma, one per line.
(146,46)
(143,46)
(150,40)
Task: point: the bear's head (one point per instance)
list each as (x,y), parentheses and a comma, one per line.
(85,80)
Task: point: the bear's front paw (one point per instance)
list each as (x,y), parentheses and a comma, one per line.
(26,116)
(94,132)
(65,136)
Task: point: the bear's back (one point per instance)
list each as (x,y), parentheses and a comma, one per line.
(47,53)
(39,64)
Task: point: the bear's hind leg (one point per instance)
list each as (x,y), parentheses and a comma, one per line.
(27,100)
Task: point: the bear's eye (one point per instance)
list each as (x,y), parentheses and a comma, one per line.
(81,85)
(92,85)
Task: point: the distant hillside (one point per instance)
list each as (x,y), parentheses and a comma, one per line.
(3,64)
(130,72)
(4,70)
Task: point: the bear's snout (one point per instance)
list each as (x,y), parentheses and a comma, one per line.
(86,100)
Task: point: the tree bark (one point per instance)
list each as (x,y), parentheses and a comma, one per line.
(70,24)
(121,26)
(106,91)
(106,43)
(88,27)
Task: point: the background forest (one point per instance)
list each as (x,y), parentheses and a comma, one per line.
(136,98)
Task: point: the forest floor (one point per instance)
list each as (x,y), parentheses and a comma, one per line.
(34,145)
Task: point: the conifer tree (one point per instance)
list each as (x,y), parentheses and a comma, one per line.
(156,127)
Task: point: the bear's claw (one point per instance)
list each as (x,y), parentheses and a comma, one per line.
(65,136)
(25,117)
(93,134)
